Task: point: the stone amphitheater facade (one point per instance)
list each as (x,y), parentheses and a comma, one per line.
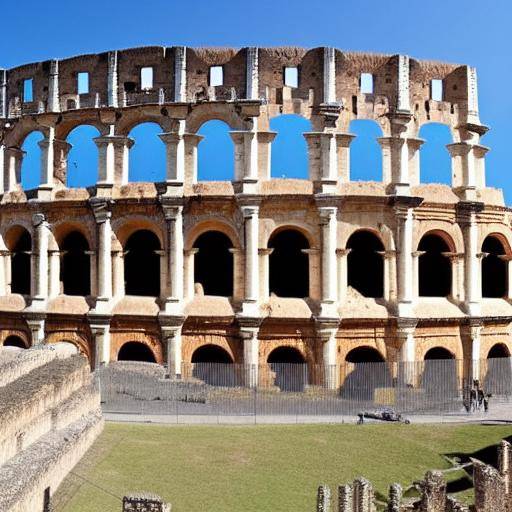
(443,252)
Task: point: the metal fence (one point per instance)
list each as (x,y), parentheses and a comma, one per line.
(435,387)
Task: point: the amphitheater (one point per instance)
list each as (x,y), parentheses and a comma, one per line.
(258,269)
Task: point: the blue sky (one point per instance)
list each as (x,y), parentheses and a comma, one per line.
(470,32)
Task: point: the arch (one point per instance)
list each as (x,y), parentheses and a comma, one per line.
(31,163)
(365,266)
(20,247)
(14,341)
(498,350)
(366,370)
(147,155)
(288,264)
(498,378)
(435,160)
(213,365)
(136,351)
(365,151)
(289,154)
(76,265)
(494,268)
(213,264)
(434,267)
(439,378)
(215,153)
(290,368)
(82,158)
(142,264)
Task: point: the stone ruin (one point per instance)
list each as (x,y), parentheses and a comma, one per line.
(49,416)
(144,502)
(491,492)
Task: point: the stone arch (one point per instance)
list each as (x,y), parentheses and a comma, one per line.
(365,266)
(213,263)
(82,157)
(450,233)
(31,164)
(214,224)
(498,350)
(365,151)
(290,368)
(14,340)
(142,263)
(124,227)
(439,378)
(288,263)
(147,161)
(211,353)
(201,113)
(289,153)
(434,267)
(19,243)
(498,377)
(494,268)
(213,365)
(131,119)
(75,271)
(435,159)
(215,152)
(72,337)
(136,351)
(70,122)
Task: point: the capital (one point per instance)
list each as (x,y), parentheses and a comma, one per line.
(101,209)
(249,211)
(38,219)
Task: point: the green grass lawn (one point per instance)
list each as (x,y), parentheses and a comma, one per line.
(259,468)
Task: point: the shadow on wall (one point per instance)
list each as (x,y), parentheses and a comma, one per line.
(289,154)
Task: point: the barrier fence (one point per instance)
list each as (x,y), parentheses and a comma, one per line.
(212,389)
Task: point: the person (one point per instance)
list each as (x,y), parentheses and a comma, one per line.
(486,401)
(481,396)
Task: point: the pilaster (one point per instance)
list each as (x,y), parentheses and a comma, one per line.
(53,88)
(112,80)
(3,93)
(250,305)
(328,222)
(252,73)
(39,289)
(180,74)
(100,329)
(175,160)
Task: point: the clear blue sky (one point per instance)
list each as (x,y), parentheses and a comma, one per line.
(469,31)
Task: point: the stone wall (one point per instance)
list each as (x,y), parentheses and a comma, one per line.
(49,416)
(491,492)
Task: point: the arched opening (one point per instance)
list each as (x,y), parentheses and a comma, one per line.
(365,266)
(498,378)
(31,163)
(213,264)
(147,155)
(435,160)
(20,262)
(434,267)
(439,378)
(14,341)
(289,264)
(213,365)
(215,155)
(365,151)
(76,265)
(136,351)
(142,264)
(289,367)
(365,371)
(289,154)
(494,269)
(82,161)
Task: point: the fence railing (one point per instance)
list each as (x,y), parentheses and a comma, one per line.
(282,389)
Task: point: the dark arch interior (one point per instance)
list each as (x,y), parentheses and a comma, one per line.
(291,372)
(76,265)
(494,269)
(136,351)
(367,372)
(439,377)
(288,265)
(213,365)
(213,264)
(211,354)
(435,273)
(438,353)
(20,264)
(365,267)
(498,350)
(14,341)
(142,264)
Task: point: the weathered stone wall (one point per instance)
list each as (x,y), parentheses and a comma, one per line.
(49,416)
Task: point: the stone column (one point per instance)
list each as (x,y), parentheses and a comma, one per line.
(106,164)
(117,273)
(13,161)
(189,273)
(329,225)
(342,274)
(54,273)
(112,80)
(250,305)
(61,150)
(4,275)
(327,335)
(122,147)
(343,141)
(414,145)
(456,284)
(395,164)
(47,163)
(507,258)
(416,255)
(467,213)
(251,92)
(265,140)
(389,258)
(407,353)
(315,285)
(40,261)
(192,141)
(264,273)
(53,88)
(246,158)
(238,288)
(180,74)
(322,157)
(474,331)
(101,331)
(172,337)
(36,324)
(251,343)
(175,159)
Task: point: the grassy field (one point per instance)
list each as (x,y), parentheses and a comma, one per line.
(260,468)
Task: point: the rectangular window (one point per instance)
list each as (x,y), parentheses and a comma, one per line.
(291,77)
(28,90)
(83,83)
(216,76)
(436,90)
(366,83)
(146,78)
